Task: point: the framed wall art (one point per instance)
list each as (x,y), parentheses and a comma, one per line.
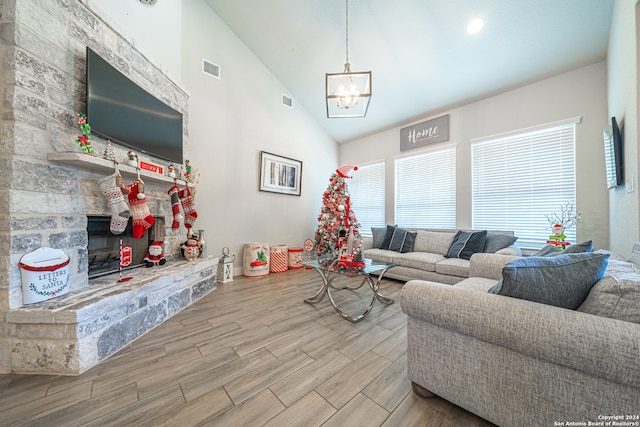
(280,174)
(429,132)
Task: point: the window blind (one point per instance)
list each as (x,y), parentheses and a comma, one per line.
(367,196)
(519,179)
(426,189)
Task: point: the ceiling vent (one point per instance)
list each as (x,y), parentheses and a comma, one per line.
(287,101)
(210,68)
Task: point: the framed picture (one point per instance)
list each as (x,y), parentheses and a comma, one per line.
(280,174)
(429,132)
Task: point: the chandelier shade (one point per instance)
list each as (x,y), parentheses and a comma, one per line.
(348,93)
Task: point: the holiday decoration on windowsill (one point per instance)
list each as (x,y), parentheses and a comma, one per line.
(567,218)
(155,256)
(337,234)
(84,140)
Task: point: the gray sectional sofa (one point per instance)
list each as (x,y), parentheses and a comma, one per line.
(515,362)
(427,258)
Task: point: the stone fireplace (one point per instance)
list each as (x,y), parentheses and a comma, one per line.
(50,188)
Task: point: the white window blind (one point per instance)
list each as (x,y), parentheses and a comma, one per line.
(367,196)
(426,189)
(519,179)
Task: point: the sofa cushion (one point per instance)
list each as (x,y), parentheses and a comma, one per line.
(435,242)
(419,260)
(378,234)
(564,280)
(476,284)
(552,250)
(497,241)
(454,267)
(617,295)
(380,255)
(398,239)
(467,243)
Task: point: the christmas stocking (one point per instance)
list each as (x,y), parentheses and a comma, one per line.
(175,206)
(188,206)
(117,204)
(142,218)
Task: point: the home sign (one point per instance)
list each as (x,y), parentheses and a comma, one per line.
(429,132)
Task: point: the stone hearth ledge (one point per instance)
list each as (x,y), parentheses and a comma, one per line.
(72,333)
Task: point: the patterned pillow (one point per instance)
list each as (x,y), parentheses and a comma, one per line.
(467,243)
(399,240)
(564,280)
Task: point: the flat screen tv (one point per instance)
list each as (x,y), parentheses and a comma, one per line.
(120,110)
(613,154)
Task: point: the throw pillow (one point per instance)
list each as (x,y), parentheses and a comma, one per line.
(552,250)
(378,234)
(497,241)
(466,243)
(564,280)
(400,240)
(387,236)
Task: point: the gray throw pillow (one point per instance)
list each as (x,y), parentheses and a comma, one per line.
(400,240)
(552,250)
(466,243)
(388,235)
(378,234)
(564,280)
(497,241)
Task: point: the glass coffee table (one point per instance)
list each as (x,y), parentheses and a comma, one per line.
(329,270)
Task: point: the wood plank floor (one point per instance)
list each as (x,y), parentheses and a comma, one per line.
(251,353)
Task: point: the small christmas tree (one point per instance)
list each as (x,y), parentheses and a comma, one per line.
(336,220)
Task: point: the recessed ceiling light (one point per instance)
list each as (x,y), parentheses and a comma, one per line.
(475,25)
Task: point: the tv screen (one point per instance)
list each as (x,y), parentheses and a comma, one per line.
(120,110)
(613,154)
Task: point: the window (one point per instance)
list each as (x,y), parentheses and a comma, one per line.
(520,178)
(367,196)
(426,189)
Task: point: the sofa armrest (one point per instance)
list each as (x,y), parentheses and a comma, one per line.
(488,265)
(599,346)
(367,243)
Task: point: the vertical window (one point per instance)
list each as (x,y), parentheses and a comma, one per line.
(367,196)
(426,189)
(520,178)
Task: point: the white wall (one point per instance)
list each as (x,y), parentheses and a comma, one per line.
(577,93)
(622,82)
(154,30)
(231,121)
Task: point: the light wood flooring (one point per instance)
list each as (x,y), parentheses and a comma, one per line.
(251,353)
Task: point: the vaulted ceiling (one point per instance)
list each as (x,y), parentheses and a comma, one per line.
(422,59)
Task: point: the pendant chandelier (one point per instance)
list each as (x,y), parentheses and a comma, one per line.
(348,93)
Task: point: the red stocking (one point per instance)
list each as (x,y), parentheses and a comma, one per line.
(175,207)
(188,206)
(142,218)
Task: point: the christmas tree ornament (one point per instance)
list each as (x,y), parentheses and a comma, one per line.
(175,206)
(118,206)
(142,218)
(188,207)
(109,154)
(84,140)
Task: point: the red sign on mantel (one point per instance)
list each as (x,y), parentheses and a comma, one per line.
(151,167)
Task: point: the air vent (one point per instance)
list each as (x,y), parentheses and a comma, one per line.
(210,68)
(287,101)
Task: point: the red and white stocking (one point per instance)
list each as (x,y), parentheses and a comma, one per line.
(117,204)
(175,206)
(142,218)
(188,206)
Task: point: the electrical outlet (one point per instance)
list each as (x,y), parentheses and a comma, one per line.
(629,185)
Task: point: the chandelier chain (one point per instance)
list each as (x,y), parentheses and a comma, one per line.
(347,31)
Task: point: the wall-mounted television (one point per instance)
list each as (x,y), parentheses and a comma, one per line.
(613,154)
(120,110)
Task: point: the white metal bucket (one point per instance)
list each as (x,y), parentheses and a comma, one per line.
(45,275)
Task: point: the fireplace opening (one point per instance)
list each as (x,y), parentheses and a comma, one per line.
(104,247)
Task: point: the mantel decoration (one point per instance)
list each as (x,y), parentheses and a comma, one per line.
(337,233)
(567,218)
(84,140)
(280,174)
(348,93)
